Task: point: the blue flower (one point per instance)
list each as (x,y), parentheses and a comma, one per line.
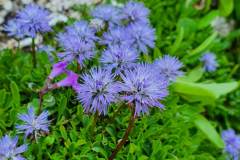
(142,36)
(232,143)
(119,58)
(33,125)
(13,29)
(10,150)
(209,62)
(136,12)
(143,88)
(78,42)
(97,91)
(168,67)
(116,36)
(108,13)
(33,19)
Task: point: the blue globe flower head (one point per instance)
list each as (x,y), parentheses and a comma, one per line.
(209,62)
(32,124)
(232,143)
(13,29)
(119,58)
(98,91)
(143,88)
(10,150)
(142,36)
(78,42)
(108,13)
(83,30)
(136,12)
(116,36)
(34,19)
(168,67)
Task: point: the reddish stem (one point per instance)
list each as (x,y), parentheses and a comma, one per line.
(126,134)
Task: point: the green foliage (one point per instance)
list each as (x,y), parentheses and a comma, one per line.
(199,106)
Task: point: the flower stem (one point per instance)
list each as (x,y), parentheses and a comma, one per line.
(34,60)
(126,134)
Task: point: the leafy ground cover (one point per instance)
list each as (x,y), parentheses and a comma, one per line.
(201,104)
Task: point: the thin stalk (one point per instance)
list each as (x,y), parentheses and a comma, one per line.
(34,60)
(94,122)
(126,134)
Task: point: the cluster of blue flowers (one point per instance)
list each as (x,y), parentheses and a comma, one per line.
(28,22)
(125,34)
(32,126)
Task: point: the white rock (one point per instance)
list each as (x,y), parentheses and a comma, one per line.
(8,5)
(56,17)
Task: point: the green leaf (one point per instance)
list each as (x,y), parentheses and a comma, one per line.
(63,132)
(206,20)
(62,106)
(178,41)
(194,75)
(205,126)
(15,94)
(100,150)
(204,45)
(226,7)
(2,96)
(202,91)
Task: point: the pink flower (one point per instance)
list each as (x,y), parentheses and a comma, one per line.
(57,69)
(70,80)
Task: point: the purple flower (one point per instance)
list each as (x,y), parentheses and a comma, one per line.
(116,36)
(143,88)
(33,125)
(136,12)
(209,62)
(34,19)
(168,67)
(108,13)
(13,28)
(57,69)
(78,42)
(119,58)
(9,149)
(232,143)
(70,81)
(97,91)
(142,36)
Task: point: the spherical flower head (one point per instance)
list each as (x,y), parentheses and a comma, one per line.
(116,36)
(10,150)
(58,69)
(119,58)
(78,43)
(143,88)
(209,62)
(142,36)
(221,26)
(108,13)
(232,143)
(82,30)
(32,124)
(70,81)
(13,29)
(97,91)
(34,19)
(135,12)
(168,67)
